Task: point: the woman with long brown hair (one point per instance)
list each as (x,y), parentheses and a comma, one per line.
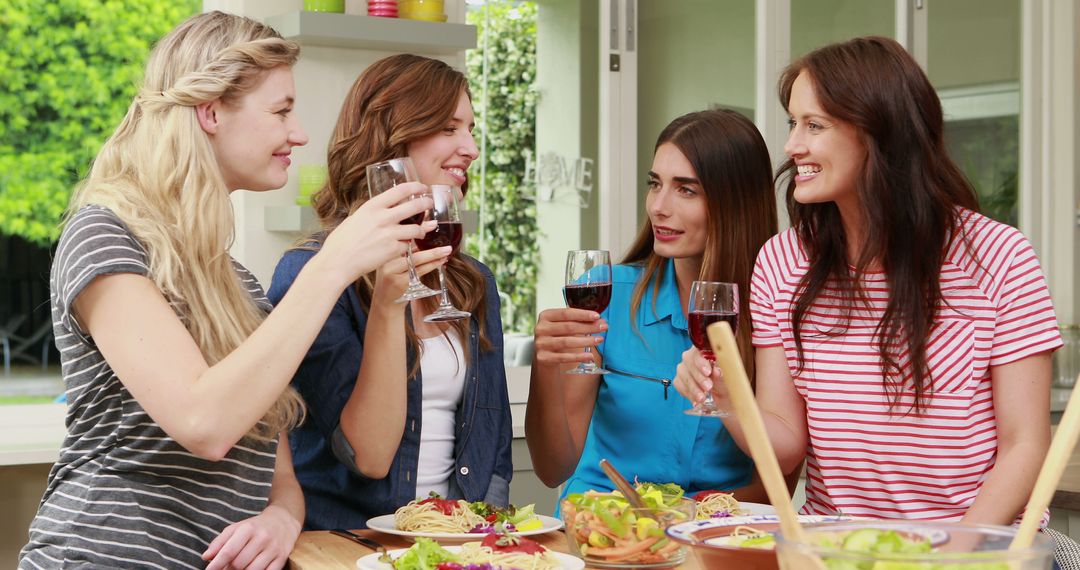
(710,207)
(398,407)
(903,339)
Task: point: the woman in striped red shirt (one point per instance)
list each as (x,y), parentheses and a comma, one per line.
(903,339)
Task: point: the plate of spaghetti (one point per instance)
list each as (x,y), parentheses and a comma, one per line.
(719,504)
(457,521)
(494,552)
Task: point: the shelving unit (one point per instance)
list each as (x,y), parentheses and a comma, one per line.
(368,32)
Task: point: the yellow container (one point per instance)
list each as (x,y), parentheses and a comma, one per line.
(428,10)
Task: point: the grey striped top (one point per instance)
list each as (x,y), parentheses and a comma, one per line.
(123,494)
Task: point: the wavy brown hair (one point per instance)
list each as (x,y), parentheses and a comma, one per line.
(732,162)
(395,101)
(909,192)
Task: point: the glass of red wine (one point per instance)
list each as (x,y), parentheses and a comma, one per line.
(588,286)
(381,177)
(448,232)
(710,301)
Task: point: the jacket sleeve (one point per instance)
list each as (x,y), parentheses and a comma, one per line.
(504,468)
(327,375)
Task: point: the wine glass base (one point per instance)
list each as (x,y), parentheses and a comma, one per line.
(590,370)
(414,292)
(444,315)
(706,412)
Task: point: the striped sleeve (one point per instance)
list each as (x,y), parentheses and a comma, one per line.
(1026,324)
(763,286)
(95,243)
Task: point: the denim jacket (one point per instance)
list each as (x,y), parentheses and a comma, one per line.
(336,494)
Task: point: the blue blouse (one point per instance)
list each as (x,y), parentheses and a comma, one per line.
(643,435)
(336,494)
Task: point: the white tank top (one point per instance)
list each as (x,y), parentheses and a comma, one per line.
(443,369)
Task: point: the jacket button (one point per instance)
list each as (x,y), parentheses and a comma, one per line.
(464,470)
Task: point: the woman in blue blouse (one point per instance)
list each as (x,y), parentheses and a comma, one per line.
(397,407)
(710,207)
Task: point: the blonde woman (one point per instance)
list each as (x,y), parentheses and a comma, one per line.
(177,380)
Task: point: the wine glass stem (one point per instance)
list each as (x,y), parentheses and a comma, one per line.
(444,298)
(413,278)
(708,403)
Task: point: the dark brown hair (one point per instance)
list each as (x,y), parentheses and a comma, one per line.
(395,101)
(909,191)
(731,160)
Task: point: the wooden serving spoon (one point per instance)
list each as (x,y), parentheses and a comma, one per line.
(761,450)
(622,484)
(1065,437)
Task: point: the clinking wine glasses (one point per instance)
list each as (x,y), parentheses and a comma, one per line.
(381,177)
(447,214)
(710,301)
(588,286)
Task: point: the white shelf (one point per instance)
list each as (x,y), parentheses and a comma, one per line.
(369,32)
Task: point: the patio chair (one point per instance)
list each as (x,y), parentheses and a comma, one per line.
(7,334)
(1066,550)
(42,334)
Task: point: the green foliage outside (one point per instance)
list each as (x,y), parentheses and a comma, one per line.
(68,70)
(509,226)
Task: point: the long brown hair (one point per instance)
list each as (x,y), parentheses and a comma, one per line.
(732,162)
(395,101)
(909,192)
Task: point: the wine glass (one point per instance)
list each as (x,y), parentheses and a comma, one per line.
(588,286)
(448,232)
(710,301)
(381,177)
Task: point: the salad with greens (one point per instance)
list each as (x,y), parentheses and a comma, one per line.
(606,529)
(894,547)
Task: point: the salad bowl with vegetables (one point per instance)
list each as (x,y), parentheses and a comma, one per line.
(607,532)
(912,545)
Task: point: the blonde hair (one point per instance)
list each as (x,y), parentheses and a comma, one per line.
(159,174)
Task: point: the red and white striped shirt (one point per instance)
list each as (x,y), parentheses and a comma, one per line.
(865,459)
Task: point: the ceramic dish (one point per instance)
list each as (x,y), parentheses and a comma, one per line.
(371,561)
(708,540)
(385,523)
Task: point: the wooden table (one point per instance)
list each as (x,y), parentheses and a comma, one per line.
(320,550)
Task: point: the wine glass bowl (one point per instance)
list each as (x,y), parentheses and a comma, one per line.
(588,287)
(448,232)
(710,302)
(382,176)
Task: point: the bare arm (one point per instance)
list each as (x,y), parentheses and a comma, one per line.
(1021,391)
(265,540)
(560,407)
(374,417)
(207,409)
(782,408)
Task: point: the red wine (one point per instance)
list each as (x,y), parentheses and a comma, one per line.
(446,233)
(414,219)
(700,320)
(589,297)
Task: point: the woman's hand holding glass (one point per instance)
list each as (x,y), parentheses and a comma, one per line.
(560,336)
(374,234)
(392,279)
(696,377)
(381,178)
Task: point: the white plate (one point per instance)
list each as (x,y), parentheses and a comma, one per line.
(684,531)
(385,523)
(371,561)
(754,509)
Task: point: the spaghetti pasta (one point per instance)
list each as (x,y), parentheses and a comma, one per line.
(475,553)
(718,504)
(443,516)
